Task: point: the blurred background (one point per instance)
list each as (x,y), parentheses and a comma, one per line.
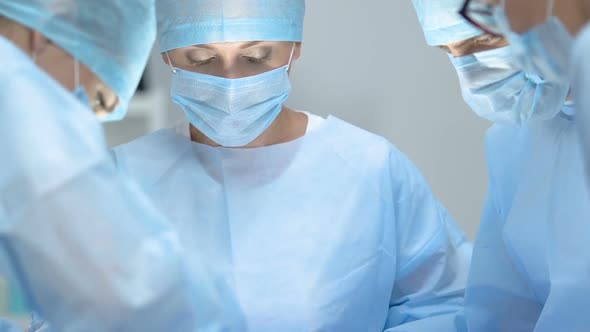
(366,63)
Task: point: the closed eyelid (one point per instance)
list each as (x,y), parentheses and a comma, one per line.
(487,39)
(200,54)
(258,52)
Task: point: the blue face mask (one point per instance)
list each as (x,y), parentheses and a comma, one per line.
(499,91)
(231,112)
(544,49)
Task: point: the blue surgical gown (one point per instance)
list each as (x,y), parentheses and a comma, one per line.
(334,231)
(580,78)
(90,250)
(8,326)
(531,260)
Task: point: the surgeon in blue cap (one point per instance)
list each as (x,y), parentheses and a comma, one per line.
(537,204)
(331,227)
(89,248)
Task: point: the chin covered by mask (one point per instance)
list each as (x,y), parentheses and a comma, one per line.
(232,112)
(496,88)
(545,49)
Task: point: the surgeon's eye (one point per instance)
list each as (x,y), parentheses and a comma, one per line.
(488,39)
(197,63)
(198,58)
(258,56)
(256,61)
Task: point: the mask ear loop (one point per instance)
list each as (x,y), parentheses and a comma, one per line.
(170,63)
(291,57)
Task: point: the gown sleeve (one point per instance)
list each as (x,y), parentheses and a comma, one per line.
(85,243)
(433,257)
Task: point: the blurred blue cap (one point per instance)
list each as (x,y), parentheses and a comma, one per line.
(441,22)
(113,38)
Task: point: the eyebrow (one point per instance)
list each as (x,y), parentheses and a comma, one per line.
(444,48)
(250,44)
(465,43)
(247,45)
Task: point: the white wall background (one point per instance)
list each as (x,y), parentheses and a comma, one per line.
(367,62)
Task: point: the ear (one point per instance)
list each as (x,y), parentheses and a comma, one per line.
(166,58)
(37,42)
(168,61)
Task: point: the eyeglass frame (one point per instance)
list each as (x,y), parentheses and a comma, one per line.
(465,13)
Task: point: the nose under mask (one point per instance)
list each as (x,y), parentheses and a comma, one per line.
(232,112)
(545,49)
(496,88)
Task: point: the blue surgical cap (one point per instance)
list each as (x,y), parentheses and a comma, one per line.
(442,23)
(184,23)
(111,37)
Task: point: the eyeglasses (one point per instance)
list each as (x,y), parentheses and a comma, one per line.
(480,13)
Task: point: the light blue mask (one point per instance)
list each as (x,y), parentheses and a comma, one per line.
(544,49)
(231,112)
(497,90)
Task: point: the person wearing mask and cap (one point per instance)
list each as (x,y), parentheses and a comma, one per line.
(331,228)
(88,247)
(553,36)
(536,179)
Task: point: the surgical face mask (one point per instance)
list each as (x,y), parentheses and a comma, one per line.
(232,112)
(544,49)
(499,91)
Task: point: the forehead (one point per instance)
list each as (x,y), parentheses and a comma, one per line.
(520,4)
(486,2)
(238,45)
